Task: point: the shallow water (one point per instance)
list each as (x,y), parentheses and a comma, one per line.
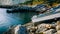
(8,19)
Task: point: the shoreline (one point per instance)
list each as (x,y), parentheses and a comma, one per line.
(7,6)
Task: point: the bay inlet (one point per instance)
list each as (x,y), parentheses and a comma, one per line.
(9,19)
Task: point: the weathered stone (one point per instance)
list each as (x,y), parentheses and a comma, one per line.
(16,29)
(48,26)
(58,32)
(51,31)
(58,25)
(41,28)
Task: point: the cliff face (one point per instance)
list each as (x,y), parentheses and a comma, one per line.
(9,2)
(5,2)
(48,2)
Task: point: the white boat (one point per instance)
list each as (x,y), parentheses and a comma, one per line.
(43,17)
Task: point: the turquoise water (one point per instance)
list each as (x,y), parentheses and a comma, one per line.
(8,19)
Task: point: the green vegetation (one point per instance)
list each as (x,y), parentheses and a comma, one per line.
(49,2)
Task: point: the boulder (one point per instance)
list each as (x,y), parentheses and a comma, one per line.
(51,31)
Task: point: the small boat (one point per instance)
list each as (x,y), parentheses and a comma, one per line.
(46,16)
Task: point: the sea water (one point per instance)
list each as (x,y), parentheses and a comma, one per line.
(8,19)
